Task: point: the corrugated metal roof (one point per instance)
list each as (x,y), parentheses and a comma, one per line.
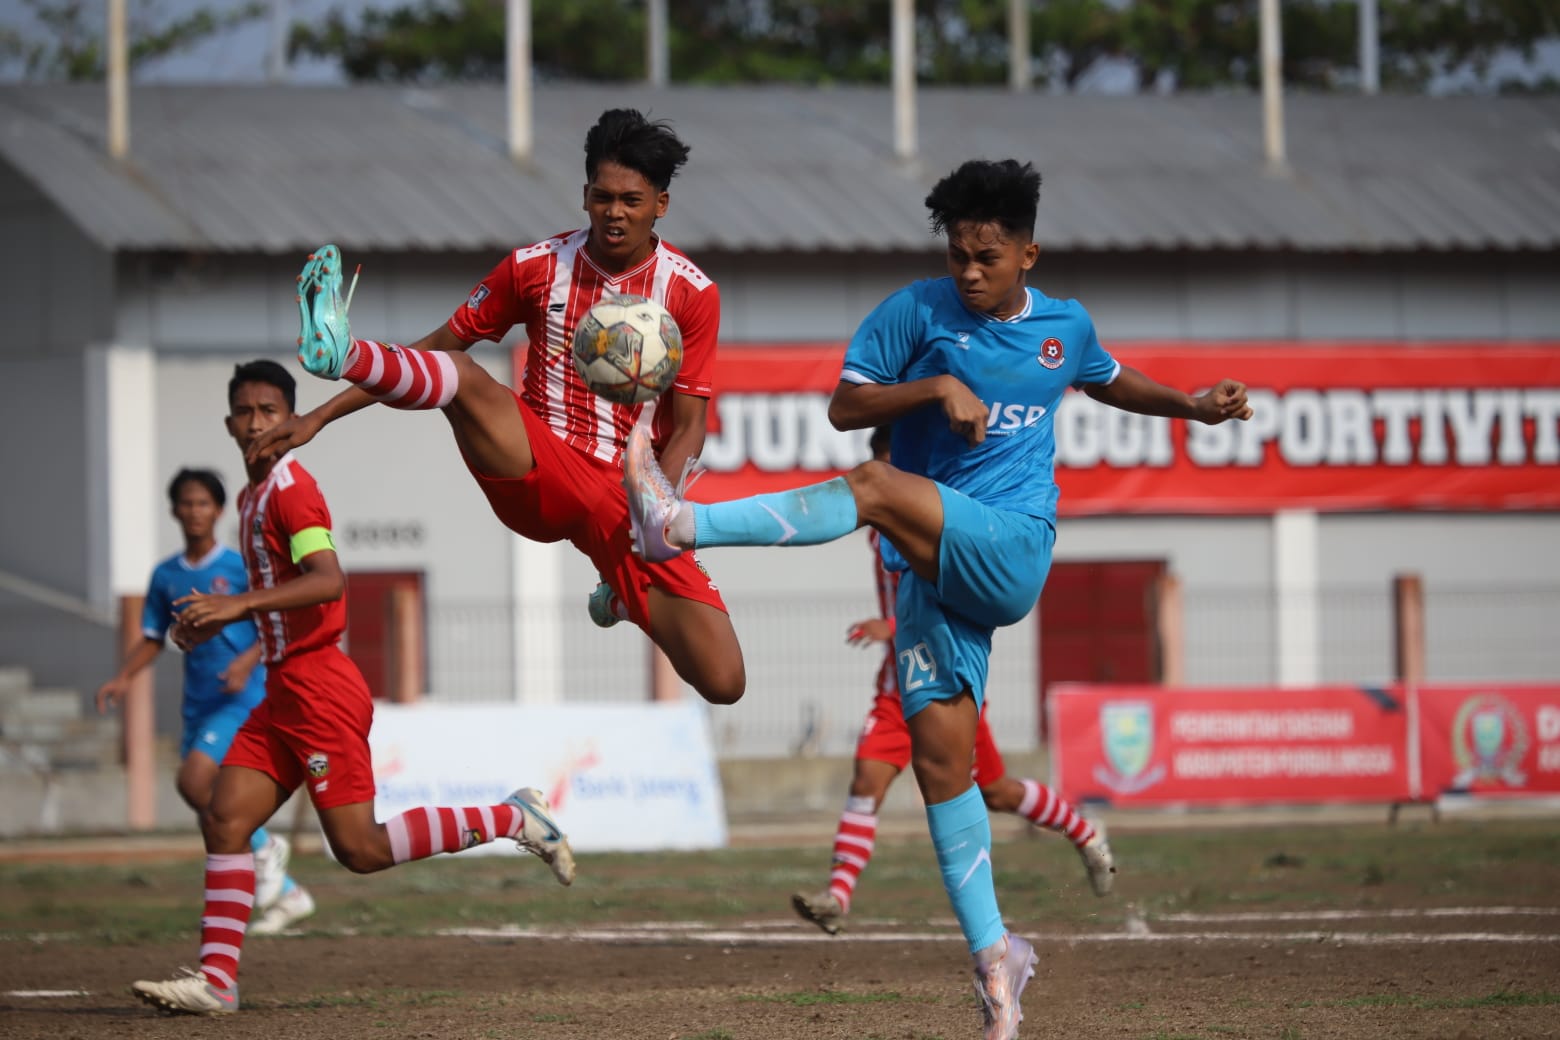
(277,169)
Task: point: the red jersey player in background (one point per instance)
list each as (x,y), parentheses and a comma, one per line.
(312,727)
(548,456)
(883,752)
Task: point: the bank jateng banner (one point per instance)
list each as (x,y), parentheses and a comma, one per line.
(1337,427)
(619,777)
(1150,745)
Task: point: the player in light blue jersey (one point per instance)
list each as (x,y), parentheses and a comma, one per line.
(223,678)
(970,369)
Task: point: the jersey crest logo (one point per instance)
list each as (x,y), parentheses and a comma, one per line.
(220,586)
(478,294)
(318,764)
(1052,354)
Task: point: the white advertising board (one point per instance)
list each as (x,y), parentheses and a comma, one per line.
(620,777)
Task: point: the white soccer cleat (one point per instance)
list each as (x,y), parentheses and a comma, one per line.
(189,994)
(271,871)
(822,909)
(1099,862)
(1000,986)
(541,836)
(287,911)
(652,500)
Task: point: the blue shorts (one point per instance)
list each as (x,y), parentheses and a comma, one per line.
(991,567)
(212,731)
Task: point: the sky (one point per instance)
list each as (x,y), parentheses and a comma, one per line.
(241,55)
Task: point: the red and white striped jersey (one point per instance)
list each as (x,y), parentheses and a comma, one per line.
(548,287)
(888,595)
(286,502)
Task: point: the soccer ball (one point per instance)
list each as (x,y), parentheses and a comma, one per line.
(627,349)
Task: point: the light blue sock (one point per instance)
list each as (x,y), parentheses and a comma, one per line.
(961,834)
(804,516)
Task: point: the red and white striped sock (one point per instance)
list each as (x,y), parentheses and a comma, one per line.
(1043,807)
(230,896)
(429,830)
(401,377)
(853,843)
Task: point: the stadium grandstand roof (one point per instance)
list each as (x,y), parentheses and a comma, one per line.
(274,169)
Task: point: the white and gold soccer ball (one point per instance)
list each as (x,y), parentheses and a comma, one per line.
(627,349)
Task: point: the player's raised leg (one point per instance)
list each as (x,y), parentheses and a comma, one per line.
(482,411)
(906,508)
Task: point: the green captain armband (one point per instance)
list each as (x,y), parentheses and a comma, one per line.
(311,540)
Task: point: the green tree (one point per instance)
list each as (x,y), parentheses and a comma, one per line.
(1187,44)
(72,45)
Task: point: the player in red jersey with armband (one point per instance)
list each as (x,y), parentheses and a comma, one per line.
(312,728)
(548,456)
(883,752)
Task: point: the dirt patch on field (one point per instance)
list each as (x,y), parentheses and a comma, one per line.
(352,988)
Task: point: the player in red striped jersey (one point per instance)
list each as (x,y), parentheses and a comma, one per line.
(548,456)
(883,752)
(312,728)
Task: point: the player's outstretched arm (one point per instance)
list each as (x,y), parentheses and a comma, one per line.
(1133,391)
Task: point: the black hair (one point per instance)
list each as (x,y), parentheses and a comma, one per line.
(881,436)
(206,478)
(626,137)
(1004,192)
(268,372)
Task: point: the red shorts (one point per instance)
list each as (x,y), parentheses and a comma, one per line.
(574,497)
(885,737)
(312,727)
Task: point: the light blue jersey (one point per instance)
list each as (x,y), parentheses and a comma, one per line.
(1019,367)
(221,572)
(998,497)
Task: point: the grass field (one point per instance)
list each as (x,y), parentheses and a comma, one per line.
(1447,929)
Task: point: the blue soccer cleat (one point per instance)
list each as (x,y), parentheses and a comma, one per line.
(323,335)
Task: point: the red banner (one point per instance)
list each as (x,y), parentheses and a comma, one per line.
(1337,427)
(1149,745)
(1492,739)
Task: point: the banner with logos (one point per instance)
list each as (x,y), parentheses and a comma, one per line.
(1149,745)
(1490,740)
(619,777)
(1366,426)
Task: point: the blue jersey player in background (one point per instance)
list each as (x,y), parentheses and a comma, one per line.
(223,678)
(969,369)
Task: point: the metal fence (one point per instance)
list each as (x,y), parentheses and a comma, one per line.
(808,691)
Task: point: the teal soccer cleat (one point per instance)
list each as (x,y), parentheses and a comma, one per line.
(323,335)
(600,606)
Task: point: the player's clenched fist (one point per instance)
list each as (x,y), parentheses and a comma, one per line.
(1225,401)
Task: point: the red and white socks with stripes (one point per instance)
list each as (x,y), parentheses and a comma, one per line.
(853,843)
(429,830)
(1043,807)
(230,898)
(400,376)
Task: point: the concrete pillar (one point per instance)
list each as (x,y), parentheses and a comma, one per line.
(536,584)
(1296,590)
